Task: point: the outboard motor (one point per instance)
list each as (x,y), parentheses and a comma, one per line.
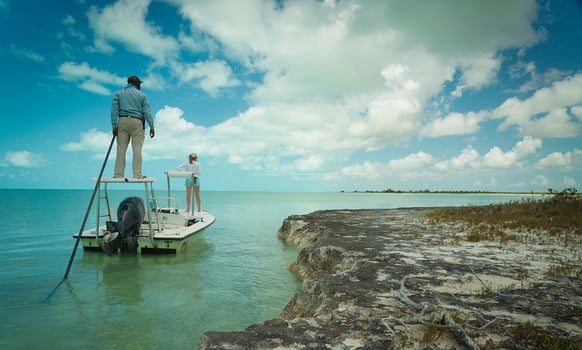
(125,232)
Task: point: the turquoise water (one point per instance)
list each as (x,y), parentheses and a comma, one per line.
(233,277)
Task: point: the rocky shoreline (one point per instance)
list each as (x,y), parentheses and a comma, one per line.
(392,279)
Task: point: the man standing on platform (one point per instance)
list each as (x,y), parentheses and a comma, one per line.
(130,110)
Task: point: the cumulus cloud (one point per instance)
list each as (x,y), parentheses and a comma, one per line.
(325,80)
(544,114)
(540,180)
(478,72)
(453,124)
(88,78)
(210,76)
(92,141)
(125,22)
(495,158)
(566,160)
(556,123)
(411,162)
(467,159)
(365,170)
(99,81)
(171,132)
(24,159)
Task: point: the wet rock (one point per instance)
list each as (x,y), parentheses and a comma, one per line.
(389,279)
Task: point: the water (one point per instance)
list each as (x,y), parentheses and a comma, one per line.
(233,277)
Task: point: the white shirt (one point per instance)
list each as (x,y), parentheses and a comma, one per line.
(193,167)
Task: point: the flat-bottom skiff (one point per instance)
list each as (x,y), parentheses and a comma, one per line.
(134,228)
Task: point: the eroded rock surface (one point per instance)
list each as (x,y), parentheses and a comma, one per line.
(389,279)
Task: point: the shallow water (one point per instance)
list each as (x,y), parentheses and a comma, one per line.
(235,275)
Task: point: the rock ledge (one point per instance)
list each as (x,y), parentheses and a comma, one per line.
(388,279)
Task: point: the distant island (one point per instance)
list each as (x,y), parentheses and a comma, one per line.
(550,191)
(446,192)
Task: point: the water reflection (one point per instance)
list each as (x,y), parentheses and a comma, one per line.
(130,300)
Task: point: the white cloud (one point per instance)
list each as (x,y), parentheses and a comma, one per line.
(95,87)
(96,80)
(211,76)
(125,22)
(411,166)
(24,159)
(72,72)
(92,140)
(540,180)
(560,160)
(27,54)
(467,159)
(318,54)
(411,162)
(453,124)
(497,159)
(70,24)
(478,72)
(310,163)
(330,79)
(89,78)
(556,123)
(175,136)
(365,170)
(544,113)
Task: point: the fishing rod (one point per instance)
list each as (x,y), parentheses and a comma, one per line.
(84,220)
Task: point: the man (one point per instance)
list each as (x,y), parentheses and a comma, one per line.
(129,111)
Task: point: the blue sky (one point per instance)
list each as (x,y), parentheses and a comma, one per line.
(299,95)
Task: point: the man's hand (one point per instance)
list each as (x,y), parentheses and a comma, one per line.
(115,131)
(152,133)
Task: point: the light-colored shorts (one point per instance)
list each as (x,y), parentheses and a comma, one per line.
(189,182)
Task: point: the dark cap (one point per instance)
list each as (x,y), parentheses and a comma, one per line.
(134,80)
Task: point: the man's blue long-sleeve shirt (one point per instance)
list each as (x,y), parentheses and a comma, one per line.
(132,102)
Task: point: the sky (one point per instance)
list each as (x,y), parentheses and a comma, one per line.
(300,95)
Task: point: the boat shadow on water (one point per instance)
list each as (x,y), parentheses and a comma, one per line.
(126,279)
(197,251)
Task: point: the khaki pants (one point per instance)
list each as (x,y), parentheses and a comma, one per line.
(129,129)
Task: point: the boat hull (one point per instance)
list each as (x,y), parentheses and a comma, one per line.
(171,238)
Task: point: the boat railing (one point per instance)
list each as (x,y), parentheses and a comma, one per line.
(149,198)
(165,205)
(177,174)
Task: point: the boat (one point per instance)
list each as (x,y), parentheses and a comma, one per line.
(161,229)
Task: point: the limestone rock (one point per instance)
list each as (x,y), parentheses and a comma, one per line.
(389,279)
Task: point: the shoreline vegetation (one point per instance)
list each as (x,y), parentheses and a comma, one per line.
(550,192)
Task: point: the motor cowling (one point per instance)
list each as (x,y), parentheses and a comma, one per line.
(125,232)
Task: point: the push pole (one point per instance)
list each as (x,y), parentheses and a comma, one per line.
(88,211)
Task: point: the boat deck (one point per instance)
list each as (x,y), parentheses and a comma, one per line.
(118,180)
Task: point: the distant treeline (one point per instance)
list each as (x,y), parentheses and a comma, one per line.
(444,192)
(564,192)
